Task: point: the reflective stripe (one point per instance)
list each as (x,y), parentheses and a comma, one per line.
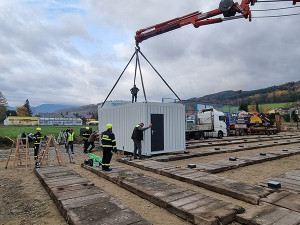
(113,140)
(108,139)
(105,164)
(107,146)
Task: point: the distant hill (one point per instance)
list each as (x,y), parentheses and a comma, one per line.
(44,108)
(289,92)
(82,110)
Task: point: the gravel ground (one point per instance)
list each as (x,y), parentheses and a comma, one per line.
(23,200)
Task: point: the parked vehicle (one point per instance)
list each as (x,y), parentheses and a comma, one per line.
(254,123)
(205,124)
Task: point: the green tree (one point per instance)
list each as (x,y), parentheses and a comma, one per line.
(244,106)
(257,107)
(3,107)
(28,108)
(11,113)
(286,117)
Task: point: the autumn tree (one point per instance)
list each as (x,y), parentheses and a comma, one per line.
(22,111)
(3,107)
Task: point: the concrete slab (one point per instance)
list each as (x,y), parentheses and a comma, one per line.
(82,202)
(289,180)
(173,157)
(225,164)
(178,200)
(274,197)
(267,214)
(242,191)
(285,200)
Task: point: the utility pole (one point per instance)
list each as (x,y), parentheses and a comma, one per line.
(297,113)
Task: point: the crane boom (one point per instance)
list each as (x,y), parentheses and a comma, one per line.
(226,7)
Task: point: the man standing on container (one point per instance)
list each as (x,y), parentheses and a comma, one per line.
(137,137)
(134,92)
(109,145)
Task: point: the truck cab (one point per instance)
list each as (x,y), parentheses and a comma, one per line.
(207,123)
(215,121)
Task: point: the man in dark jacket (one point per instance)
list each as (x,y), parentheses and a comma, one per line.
(109,145)
(134,92)
(137,137)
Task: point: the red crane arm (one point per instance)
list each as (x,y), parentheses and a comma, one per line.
(227,7)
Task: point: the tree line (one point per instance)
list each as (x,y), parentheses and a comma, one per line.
(24,110)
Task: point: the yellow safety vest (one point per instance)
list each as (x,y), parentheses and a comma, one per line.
(71,136)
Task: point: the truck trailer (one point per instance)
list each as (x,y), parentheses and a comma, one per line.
(255,123)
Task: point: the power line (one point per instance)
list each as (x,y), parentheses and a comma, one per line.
(292,14)
(260,10)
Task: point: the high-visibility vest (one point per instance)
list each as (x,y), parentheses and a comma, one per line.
(71,137)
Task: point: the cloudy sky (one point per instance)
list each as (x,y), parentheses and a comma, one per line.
(73,51)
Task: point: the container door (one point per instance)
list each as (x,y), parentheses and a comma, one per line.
(157,132)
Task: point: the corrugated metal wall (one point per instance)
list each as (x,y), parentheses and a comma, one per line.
(124,118)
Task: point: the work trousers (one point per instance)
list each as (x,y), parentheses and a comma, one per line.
(107,155)
(88,145)
(36,151)
(85,145)
(137,148)
(134,96)
(70,147)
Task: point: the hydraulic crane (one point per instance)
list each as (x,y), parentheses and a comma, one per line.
(226,7)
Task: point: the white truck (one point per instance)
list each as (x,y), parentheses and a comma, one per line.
(205,124)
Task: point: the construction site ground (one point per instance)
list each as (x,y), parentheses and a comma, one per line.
(24,200)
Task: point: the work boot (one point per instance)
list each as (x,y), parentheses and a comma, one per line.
(37,165)
(108,169)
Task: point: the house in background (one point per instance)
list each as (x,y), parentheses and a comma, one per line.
(45,119)
(53,119)
(21,121)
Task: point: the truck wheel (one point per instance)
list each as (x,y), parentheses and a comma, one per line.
(242,133)
(220,134)
(201,135)
(197,135)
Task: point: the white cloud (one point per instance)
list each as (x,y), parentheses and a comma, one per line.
(72,52)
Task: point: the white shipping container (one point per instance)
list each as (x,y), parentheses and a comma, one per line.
(167,133)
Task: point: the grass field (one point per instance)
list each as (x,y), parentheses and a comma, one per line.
(13,131)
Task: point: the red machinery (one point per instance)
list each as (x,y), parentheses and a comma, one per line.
(227,7)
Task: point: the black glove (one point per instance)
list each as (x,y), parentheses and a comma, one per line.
(115,150)
(45,136)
